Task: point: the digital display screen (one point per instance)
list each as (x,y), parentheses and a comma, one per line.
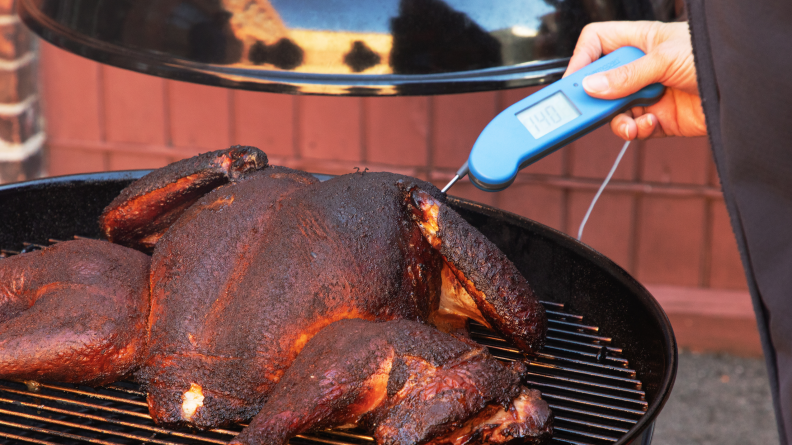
(548,115)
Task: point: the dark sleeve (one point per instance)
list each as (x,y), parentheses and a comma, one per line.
(743,54)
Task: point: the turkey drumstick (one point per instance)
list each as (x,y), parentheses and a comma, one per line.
(74,312)
(405,382)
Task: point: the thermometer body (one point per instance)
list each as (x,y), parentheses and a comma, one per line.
(547,120)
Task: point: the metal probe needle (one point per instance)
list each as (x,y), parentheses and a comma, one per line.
(453,181)
(459,175)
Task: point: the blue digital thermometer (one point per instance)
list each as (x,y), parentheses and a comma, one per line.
(546,121)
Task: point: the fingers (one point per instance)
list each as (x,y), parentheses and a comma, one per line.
(641,127)
(627,79)
(624,127)
(601,38)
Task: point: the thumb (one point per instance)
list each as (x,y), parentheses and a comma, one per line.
(626,79)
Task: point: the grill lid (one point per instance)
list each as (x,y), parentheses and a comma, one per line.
(334,47)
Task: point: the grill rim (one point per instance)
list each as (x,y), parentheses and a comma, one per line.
(641,294)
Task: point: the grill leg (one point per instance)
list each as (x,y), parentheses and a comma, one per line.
(646,437)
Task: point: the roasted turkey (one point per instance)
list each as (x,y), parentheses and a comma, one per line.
(251,261)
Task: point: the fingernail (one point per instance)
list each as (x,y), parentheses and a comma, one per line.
(596,83)
(625,129)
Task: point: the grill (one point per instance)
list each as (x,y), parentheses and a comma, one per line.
(606,370)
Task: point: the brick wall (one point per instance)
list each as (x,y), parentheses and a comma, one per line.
(21,135)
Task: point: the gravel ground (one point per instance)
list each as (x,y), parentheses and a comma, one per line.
(718,399)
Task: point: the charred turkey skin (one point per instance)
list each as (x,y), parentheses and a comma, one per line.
(405,382)
(246,275)
(75,312)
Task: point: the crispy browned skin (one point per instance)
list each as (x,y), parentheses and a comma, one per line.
(75,312)
(405,382)
(143,211)
(250,272)
(285,257)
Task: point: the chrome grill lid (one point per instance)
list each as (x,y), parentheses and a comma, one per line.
(336,47)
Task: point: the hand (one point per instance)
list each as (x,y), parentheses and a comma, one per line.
(668,60)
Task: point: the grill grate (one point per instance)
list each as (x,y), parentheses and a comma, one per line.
(594,394)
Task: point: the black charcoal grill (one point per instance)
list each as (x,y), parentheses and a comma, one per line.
(607,369)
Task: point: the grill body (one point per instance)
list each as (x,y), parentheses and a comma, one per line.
(607,370)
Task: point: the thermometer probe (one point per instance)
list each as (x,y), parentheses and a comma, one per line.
(545,121)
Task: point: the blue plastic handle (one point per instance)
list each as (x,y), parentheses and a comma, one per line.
(507,146)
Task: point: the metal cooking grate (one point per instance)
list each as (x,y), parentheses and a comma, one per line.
(595,396)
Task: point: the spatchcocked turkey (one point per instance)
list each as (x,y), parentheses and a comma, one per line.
(251,261)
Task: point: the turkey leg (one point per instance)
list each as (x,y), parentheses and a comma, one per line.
(407,383)
(74,312)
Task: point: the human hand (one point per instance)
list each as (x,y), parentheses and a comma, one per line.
(668,60)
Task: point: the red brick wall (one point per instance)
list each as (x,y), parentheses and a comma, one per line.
(662,219)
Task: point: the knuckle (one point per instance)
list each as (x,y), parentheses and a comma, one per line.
(589,29)
(620,76)
(591,34)
(651,33)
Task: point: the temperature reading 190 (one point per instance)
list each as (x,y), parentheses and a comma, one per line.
(548,115)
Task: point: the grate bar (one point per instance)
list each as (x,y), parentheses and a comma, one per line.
(552,304)
(635,382)
(54,433)
(317,439)
(628,371)
(592,413)
(581,335)
(569,441)
(637,392)
(479,329)
(622,361)
(498,343)
(610,349)
(488,335)
(550,357)
(592,425)
(119,388)
(642,403)
(74,402)
(98,430)
(564,315)
(349,435)
(574,325)
(25,439)
(38,246)
(310,436)
(593,404)
(228,432)
(587,434)
(112,421)
(93,395)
